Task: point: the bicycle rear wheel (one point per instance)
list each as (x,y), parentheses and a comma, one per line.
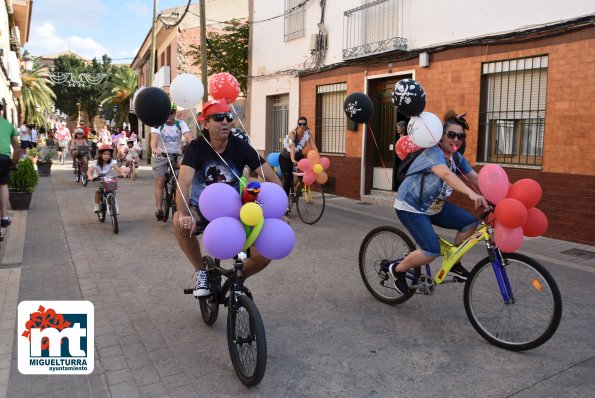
(84,179)
(246,340)
(77,172)
(111,202)
(310,203)
(165,203)
(533,312)
(380,247)
(209,306)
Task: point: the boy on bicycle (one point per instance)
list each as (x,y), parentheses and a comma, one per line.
(201,167)
(166,139)
(102,167)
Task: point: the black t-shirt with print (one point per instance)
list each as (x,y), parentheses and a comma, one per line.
(209,168)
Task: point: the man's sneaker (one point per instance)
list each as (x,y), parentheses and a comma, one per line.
(96,208)
(5,222)
(160,215)
(460,274)
(201,289)
(398,279)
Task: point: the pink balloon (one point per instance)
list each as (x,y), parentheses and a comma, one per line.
(325,162)
(508,240)
(309,177)
(304,165)
(224,86)
(493,183)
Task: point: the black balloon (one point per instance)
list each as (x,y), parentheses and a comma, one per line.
(152,106)
(358,107)
(409,97)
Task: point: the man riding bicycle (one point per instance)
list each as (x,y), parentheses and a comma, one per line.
(201,167)
(166,139)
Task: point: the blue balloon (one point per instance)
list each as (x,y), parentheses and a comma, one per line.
(273,159)
(276,239)
(219,200)
(224,237)
(273,200)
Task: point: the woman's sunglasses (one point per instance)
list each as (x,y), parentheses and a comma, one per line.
(218,117)
(302,124)
(452,135)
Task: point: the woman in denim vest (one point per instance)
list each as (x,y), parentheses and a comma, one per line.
(421,200)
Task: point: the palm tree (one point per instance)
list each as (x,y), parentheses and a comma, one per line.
(121,88)
(37,95)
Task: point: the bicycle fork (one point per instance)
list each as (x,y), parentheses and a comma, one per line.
(499,268)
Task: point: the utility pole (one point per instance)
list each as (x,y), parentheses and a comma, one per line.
(153,43)
(203,51)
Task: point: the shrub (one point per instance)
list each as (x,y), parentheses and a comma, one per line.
(46,155)
(25,178)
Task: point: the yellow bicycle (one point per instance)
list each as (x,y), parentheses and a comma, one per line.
(510,299)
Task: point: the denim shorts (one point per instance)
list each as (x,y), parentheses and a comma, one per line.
(420,226)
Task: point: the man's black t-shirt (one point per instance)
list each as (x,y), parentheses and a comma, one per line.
(209,168)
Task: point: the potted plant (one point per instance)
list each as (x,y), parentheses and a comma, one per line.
(21,184)
(44,162)
(33,154)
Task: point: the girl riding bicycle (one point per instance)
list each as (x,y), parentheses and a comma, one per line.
(102,167)
(78,140)
(421,200)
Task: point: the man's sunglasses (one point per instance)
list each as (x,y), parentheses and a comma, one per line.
(452,135)
(302,124)
(218,117)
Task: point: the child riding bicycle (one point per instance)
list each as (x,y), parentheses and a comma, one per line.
(102,167)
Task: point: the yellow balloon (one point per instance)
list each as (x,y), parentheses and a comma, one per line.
(251,214)
(317,169)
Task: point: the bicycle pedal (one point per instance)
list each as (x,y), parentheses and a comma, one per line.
(188,291)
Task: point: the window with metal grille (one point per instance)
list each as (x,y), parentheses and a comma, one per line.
(331,121)
(294,19)
(512,111)
(280,104)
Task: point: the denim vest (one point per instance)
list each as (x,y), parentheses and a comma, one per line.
(421,187)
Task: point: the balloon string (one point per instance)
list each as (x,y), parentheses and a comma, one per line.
(249,140)
(378,149)
(446,156)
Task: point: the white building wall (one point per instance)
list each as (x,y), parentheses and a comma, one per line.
(5,92)
(425,23)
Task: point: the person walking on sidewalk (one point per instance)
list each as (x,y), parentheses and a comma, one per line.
(203,166)
(8,137)
(166,139)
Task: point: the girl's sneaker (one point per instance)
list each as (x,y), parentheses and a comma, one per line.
(5,222)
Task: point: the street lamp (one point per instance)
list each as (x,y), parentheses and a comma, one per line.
(28,61)
(99,108)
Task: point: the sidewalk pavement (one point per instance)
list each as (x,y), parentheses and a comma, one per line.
(137,354)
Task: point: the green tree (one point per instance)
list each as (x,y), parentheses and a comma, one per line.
(227,51)
(119,91)
(36,92)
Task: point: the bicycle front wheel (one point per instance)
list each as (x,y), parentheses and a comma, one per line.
(112,204)
(380,247)
(532,313)
(310,203)
(102,210)
(246,340)
(84,179)
(77,172)
(174,206)
(165,203)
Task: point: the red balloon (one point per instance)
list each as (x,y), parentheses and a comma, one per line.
(527,191)
(511,213)
(405,146)
(224,86)
(304,165)
(536,224)
(508,239)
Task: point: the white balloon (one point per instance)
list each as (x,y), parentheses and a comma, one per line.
(186,90)
(425,130)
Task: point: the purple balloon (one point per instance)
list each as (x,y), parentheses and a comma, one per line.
(219,200)
(273,200)
(224,237)
(276,240)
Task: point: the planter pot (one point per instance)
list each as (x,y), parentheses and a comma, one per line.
(44,169)
(20,200)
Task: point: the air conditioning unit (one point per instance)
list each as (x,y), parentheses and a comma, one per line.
(318,42)
(164,76)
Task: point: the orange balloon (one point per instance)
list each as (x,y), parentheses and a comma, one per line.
(322,178)
(313,156)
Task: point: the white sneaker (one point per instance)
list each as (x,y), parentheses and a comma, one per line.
(96,207)
(201,289)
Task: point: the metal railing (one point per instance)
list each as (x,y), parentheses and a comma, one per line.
(372,29)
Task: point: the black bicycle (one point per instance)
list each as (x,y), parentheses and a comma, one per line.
(108,204)
(170,187)
(81,164)
(246,337)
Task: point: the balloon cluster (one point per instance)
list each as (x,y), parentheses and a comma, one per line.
(273,161)
(235,226)
(224,86)
(516,214)
(314,168)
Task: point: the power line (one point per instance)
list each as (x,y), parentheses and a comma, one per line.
(287,12)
